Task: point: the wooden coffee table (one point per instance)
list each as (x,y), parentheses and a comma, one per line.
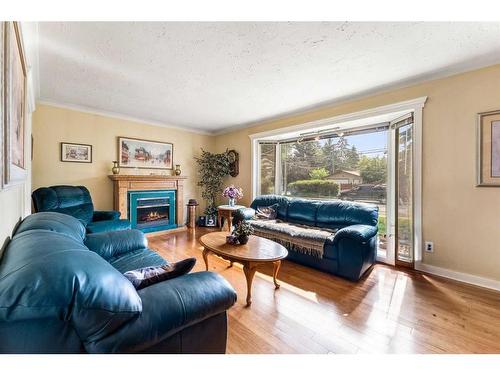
(251,255)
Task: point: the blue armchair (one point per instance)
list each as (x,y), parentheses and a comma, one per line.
(76,201)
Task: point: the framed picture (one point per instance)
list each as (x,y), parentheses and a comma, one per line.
(14,104)
(140,153)
(488,149)
(76,153)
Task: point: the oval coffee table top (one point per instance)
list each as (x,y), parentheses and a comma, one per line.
(256,249)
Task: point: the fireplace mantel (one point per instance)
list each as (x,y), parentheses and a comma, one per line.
(122,184)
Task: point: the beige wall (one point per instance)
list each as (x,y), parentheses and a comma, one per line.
(461,219)
(52,125)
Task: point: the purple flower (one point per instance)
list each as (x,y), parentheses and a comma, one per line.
(233,192)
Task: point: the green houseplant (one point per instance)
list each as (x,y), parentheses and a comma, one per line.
(213,168)
(242,231)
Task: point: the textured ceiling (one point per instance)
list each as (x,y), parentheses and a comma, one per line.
(214,76)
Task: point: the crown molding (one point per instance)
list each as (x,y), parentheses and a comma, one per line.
(95,111)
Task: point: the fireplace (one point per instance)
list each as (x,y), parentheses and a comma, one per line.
(152,210)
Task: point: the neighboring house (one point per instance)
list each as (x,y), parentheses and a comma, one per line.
(346,179)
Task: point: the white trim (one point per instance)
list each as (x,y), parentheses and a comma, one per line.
(458,276)
(409,105)
(99,112)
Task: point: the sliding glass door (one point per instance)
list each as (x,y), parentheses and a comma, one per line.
(403,190)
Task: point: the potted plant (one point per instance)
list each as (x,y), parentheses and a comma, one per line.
(243,231)
(213,168)
(232,192)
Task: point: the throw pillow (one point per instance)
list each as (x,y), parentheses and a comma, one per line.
(147,276)
(267,213)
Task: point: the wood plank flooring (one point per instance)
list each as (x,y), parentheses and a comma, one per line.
(389,311)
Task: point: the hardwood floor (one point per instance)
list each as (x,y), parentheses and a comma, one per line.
(389,311)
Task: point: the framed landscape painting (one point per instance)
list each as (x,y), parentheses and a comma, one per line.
(140,153)
(488,158)
(14,104)
(76,153)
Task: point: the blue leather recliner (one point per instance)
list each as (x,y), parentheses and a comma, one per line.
(350,252)
(76,201)
(62,291)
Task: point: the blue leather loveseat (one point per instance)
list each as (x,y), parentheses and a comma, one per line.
(350,251)
(64,292)
(76,201)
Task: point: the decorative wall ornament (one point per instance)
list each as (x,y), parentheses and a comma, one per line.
(140,153)
(488,148)
(234,159)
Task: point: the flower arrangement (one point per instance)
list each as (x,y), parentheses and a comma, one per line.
(233,192)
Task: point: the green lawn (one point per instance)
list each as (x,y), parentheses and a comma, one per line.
(404,224)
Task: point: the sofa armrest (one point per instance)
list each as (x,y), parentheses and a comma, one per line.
(167,308)
(246,213)
(113,243)
(356,247)
(105,215)
(359,232)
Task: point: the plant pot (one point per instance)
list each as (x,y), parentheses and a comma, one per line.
(243,239)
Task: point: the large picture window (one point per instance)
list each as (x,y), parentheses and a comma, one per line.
(349,166)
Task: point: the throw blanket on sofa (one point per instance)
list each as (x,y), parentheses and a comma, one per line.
(295,237)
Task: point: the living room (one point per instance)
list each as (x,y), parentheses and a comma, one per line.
(249,187)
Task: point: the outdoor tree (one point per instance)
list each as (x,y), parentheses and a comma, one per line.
(319,174)
(373,170)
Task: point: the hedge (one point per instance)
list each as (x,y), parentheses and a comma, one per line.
(314,188)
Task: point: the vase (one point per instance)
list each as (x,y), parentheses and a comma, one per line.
(243,239)
(116,168)
(232,202)
(177,170)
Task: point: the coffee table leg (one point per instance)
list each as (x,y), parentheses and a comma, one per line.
(277,266)
(219,220)
(249,271)
(205,257)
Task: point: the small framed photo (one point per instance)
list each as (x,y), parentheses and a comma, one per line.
(76,152)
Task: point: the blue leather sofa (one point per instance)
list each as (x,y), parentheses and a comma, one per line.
(76,201)
(64,292)
(350,252)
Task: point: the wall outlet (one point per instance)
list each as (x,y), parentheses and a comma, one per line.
(429,246)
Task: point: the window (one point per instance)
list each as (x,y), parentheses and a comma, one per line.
(350,166)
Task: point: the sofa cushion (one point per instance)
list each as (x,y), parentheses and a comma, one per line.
(108,225)
(338,214)
(53,221)
(269,200)
(49,275)
(115,243)
(302,211)
(137,259)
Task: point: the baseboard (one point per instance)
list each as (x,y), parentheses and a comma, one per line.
(459,276)
(167,231)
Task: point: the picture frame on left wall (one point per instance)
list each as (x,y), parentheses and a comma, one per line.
(14,88)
